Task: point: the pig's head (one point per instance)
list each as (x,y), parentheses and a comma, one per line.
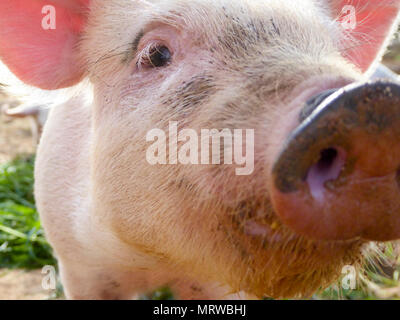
(320,189)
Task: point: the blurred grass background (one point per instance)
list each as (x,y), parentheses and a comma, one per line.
(23,245)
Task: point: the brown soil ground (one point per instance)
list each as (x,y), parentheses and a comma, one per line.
(22,285)
(15,135)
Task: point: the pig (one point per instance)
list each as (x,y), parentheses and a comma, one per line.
(316,199)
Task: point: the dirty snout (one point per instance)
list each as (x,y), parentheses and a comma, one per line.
(338,175)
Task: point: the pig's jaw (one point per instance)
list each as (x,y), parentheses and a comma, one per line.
(288,262)
(276,262)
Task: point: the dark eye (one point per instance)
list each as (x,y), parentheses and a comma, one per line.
(159,56)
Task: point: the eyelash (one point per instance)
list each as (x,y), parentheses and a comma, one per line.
(144,59)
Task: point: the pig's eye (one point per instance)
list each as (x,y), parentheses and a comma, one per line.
(156,57)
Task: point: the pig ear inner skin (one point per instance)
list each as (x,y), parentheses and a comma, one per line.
(39,41)
(368,27)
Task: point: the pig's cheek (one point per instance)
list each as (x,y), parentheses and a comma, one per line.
(141,84)
(226,187)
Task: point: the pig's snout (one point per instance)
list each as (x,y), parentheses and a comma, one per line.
(338,175)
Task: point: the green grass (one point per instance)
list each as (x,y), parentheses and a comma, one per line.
(164,293)
(22,242)
(23,245)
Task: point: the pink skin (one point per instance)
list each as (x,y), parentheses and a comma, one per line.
(376,15)
(51,65)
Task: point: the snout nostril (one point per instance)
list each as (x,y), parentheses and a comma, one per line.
(327,159)
(327,168)
(398,177)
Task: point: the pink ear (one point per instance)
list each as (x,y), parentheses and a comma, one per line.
(36,53)
(368,32)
